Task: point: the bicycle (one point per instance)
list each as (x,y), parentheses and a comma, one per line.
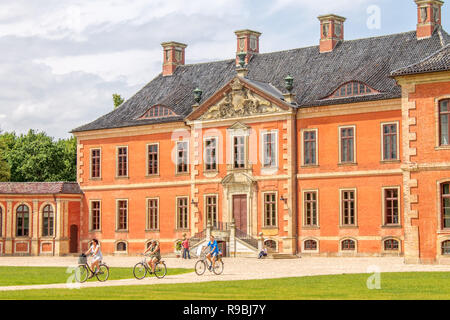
(203,263)
(141,269)
(83,269)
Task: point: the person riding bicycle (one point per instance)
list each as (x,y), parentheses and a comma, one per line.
(97,256)
(155,254)
(213,252)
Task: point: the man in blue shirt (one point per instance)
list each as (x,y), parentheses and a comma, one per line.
(213,252)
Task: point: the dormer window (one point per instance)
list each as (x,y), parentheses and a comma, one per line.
(158,112)
(351,89)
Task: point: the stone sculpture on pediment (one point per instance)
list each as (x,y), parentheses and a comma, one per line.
(239,102)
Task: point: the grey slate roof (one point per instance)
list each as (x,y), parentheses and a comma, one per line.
(316,76)
(439,61)
(40,188)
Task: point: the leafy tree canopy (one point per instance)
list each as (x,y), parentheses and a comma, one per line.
(117,99)
(35,157)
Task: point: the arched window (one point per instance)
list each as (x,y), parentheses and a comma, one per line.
(445,247)
(47,221)
(22,221)
(121,246)
(391,245)
(310,245)
(271,245)
(158,112)
(348,245)
(351,89)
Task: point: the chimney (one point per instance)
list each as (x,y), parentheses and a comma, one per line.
(173,56)
(248,42)
(331,31)
(428,17)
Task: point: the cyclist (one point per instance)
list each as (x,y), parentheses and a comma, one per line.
(97,256)
(213,252)
(155,254)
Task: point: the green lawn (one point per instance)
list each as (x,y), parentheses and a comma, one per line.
(395,286)
(12,276)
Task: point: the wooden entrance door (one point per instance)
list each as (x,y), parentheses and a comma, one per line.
(73,238)
(240,211)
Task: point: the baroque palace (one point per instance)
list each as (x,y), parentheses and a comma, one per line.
(337,149)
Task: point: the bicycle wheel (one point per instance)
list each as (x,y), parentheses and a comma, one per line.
(200,267)
(103,272)
(218,269)
(160,270)
(139,271)
(81,273)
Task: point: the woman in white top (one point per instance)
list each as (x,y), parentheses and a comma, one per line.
(97,256)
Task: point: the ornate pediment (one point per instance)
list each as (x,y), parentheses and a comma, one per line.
(239,102)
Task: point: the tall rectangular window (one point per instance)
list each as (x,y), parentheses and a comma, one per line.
(152,214)
(122,215)
(348,208)
(239,152)
(153,159)
(1,221)
(391,212)
(310,209)
(182,157)
(444,120)
(390,142)
(95,215)
(347,145)
(445,204)
(211,154)
(309,148)
(122,161)
(211,210)
(269,150)
(182,213)
(270,209)
(95,163)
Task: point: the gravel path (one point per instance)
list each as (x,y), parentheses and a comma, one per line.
(235,269)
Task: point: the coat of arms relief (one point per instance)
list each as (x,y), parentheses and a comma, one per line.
(239,102)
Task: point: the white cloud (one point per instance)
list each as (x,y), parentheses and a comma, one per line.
(62,60)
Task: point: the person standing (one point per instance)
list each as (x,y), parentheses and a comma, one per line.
(186,253)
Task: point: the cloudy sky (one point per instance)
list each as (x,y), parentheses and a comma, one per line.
(61,61)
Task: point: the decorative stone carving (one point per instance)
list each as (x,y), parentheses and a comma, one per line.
(239,102)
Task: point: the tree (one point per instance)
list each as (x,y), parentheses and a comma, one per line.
(69,150)
(5,170)
(117,99)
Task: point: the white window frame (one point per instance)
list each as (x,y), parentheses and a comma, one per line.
(216,139)
(117,215)
(303,147)
(383,207)
(147,158)
(187,158)
(341,217)
(100,164)
(263,153)
(382,141)
(354,144)
(117,163)
(304,225)
(147,226)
